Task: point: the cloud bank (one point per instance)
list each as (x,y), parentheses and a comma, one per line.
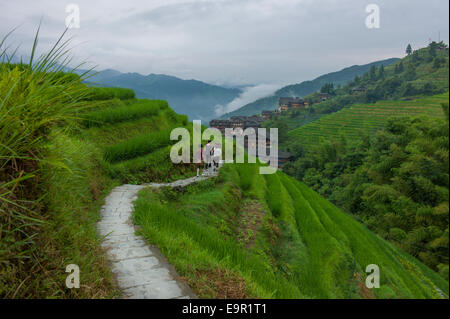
(232,41)
(249,95)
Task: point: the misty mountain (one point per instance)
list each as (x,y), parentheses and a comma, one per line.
(191,97)
(307,87)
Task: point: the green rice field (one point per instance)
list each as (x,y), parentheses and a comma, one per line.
(365,118)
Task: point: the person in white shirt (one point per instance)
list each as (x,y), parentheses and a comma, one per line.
(199,157)
(217,155)
(207,154)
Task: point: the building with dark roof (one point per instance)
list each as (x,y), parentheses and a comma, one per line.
(359,89)
(234,122)
(286,103)
(323,96)
(283,157)
(267,115)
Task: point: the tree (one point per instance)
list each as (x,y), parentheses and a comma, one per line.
(415,57)
(282,131)
(373,72)
(408,49)
(428,88)
(437,62)
(432,50)
(400,67)
(327,88)
(381,72)
(410,73)
(445,110)
(395,182)
(408,90)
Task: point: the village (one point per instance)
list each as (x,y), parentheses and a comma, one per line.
(255,121)
(242,123)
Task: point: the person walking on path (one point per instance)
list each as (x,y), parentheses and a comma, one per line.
(207,154)
(199,157)
(217,156)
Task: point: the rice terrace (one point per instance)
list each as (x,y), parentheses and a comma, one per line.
(359,118)
(208,157)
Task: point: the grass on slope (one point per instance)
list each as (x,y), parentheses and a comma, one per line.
(364,118)
(74,195)
(270,236)
(49,186)
(74,192)
(140,109)
(105,94)
(53,178)
(135,149)
(137,146)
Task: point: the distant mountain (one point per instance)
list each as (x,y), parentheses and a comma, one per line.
(305,88)
(191,97)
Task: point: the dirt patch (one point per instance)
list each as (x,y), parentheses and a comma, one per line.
(96,189)
(217,283)
(364,292)
(250,219)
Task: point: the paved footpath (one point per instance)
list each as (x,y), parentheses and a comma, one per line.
(141,271)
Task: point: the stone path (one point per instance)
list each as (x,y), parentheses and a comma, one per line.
(141,271)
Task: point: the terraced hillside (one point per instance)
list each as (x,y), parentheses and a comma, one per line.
(111,146)
(134,139)
(269,236)
(71,145)
(367,118)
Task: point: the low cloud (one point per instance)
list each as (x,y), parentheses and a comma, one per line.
(249,95)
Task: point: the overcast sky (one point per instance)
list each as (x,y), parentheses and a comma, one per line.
(268,42)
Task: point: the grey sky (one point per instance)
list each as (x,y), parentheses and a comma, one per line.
(230,41)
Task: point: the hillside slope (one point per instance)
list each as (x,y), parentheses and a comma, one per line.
(248,235)
(64,147)
(423,73)
(382,154)
(351,122)
(307,87)
(191,97)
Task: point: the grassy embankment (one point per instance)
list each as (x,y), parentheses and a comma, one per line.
(250,235)
(63,147)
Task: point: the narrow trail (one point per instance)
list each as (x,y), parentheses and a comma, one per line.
(141,271)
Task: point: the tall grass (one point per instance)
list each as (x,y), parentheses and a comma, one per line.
(34,98)
(75,195)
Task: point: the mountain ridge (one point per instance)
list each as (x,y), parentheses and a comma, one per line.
(306,87)
(192,97)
